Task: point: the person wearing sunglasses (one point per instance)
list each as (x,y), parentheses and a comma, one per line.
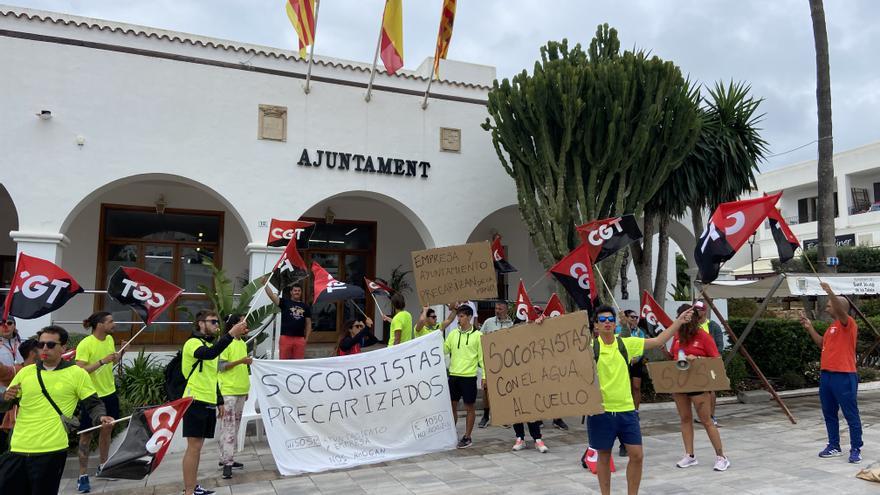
(10,362)
(620,419)
(427,322)
(38,449)
(356,334)
(199,362)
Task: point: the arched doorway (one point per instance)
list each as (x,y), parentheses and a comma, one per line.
(167,225)
(8,223)
(520,252)
(363,234)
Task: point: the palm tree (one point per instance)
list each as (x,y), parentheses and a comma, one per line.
(827,246)
(720,168)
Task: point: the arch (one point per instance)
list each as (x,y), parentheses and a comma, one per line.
(684,238)
(503,210)
(8,222)
(406,211)
(131,179)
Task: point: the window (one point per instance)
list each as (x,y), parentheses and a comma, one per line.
(174,245)
(808,209)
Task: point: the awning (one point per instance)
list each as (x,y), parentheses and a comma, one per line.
(797,284)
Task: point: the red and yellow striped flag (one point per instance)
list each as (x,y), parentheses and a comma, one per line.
(447,18)
(302,15)
(391,47)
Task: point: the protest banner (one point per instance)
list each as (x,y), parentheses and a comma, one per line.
(703,375)
(455,273)
(542,371)
(341,412)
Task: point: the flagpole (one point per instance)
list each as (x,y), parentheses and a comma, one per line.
(101,425)
(359,308)
(312,51)
(428,91)
(610,294)
(375,58)
(122,349)
(377,304)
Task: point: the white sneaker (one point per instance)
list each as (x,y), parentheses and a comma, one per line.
(721,463)
(519,445)
(539,444)
(687,461)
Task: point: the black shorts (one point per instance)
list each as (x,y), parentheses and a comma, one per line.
(463,388)
(111,404)
(637,369)
(31,473)
(200,420)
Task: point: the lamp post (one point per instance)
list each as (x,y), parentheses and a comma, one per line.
(752,252)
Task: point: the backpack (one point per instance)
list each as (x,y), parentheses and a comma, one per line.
(175,382)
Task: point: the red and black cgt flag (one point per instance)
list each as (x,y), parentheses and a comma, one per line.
(377,288)
(145,293)
(786,242)
(38,288)
(290,261)
(606,237)
(729,228)
(525,311)
(654,314)
(554,307)
(500,257)
(575,273)
(329,289)
(281,232)
(145,441)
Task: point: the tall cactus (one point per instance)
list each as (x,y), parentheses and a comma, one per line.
(589,135)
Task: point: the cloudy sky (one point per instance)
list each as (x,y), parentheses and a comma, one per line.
(768,44)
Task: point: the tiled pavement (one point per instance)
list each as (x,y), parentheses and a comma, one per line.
(769,455)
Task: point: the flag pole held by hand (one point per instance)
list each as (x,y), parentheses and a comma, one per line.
(101,426)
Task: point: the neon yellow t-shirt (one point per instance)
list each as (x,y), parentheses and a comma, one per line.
(613,373)
(202,385)
(38,428)
(90,350)
(401,322)
(426,329)
(234,381)
(705,327)
(465,352)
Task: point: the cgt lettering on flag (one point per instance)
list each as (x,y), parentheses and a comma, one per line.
(38,288)
(606,237)
(145,293)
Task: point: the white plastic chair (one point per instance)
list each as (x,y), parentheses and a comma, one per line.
(249,413)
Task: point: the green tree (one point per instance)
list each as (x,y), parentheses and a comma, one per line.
(720,168)
(589,134)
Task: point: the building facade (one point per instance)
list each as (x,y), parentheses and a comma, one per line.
(857,206)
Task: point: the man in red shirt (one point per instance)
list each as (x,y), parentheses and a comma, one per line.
(838,381)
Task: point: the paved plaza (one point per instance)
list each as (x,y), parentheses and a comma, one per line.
(769,455)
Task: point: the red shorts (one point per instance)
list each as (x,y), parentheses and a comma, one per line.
(292,347)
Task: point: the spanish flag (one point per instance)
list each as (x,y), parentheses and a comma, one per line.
(447,17)
(302,15)
(391,46)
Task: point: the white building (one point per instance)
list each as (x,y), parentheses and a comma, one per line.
(127,145)
(856,193)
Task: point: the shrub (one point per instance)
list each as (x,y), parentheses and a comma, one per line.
(870,307)
(868,374)
(778,346)
(143,382)
(741,308)
(737,371)
(791,380)
(811,374)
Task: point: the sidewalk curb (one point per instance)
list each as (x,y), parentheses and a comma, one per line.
(785,394)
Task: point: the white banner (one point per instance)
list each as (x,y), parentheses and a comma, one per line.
(340,412)
(840,284)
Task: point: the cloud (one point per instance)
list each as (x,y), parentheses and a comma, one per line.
(767,44)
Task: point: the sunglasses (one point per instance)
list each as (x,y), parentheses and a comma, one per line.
(9,322)
(50,345)
(603,319)
(359,326)
(432,316)
(213,322)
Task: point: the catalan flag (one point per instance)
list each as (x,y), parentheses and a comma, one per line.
(302,15)
(391,46)
(447,17)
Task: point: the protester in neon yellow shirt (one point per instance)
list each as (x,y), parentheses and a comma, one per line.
(401,324)
(235,385)
(38,448)
(199,364)
(96,354)
(620,419)
(465,351)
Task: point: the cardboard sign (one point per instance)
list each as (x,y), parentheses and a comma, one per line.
(705,374)
(455,273)
(541,371)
